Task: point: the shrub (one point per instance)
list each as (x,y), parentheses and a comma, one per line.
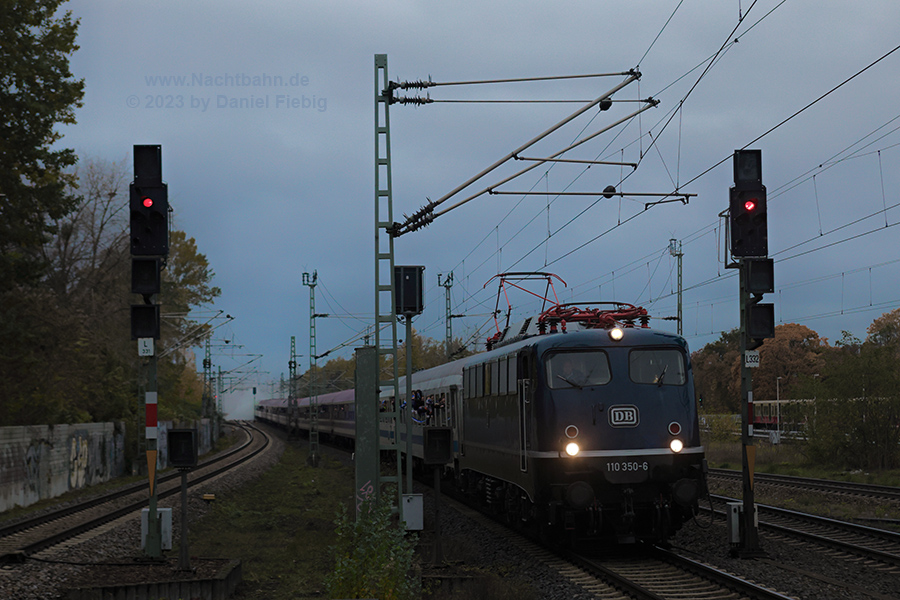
(373,558)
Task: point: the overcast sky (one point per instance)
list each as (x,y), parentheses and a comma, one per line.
(265,113)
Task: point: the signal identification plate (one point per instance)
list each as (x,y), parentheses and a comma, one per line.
(751,358)
(145,346)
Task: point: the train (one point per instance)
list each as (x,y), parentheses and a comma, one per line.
(576,422)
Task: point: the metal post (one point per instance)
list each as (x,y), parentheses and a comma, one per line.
(438,548)
(153,543)
(675,250)
(385,292)
(447,283)
(750,539)
(205,410)
(366,456)
(184,559)
(409,403)
(778,409)
(313,458)
(294,426)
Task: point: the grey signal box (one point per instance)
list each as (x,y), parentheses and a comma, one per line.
(183,448)
(438,447)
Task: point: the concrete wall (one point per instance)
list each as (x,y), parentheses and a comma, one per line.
(44,461)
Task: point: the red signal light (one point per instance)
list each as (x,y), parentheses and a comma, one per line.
(147,202)
(749,204)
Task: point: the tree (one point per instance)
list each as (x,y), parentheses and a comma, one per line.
(66,353)
(885,330)
(37,92)
(795,351)
(713,377)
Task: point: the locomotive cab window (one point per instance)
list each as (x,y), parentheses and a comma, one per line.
(660,366)
(577,369)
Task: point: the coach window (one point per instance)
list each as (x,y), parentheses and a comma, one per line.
(502,380)
(479,380)
(659,366)
(495,377)
(577,369)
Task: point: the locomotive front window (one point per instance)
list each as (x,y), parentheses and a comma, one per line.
(577,369)
(662,367)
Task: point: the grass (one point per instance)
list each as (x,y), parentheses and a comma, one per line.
(788,459)
(280,526)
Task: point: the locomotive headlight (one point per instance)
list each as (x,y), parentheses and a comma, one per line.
(616,334)
(676,445)
(572,449)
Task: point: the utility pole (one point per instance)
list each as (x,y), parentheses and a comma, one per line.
(447,283)
(205,409)
(313,458)
(385,292)
(675,250)
(293,416)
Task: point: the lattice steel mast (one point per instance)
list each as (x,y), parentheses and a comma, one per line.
(313,458)
(385,319)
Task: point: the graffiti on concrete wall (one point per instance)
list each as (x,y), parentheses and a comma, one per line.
(78,459)
(33,469)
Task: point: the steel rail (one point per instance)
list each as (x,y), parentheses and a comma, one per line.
(50,541)
(28,523)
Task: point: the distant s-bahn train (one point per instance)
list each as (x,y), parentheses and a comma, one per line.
(577,421)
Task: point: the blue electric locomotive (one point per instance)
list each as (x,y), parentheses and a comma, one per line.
(593,430)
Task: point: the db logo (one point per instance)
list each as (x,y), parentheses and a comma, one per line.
(623,416)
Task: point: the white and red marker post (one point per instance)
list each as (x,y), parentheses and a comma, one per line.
(153,543)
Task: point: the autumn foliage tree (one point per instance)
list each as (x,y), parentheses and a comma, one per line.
(77,362)
(713,374)
(846,396)
(853,416)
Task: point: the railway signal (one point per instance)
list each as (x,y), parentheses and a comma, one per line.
(749,223)
(747,206)
(759,280)
(149,203)
(149,218)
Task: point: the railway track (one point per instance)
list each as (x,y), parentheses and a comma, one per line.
(811,484)
(868,542)
(29,536)
(658,574)
(644,573)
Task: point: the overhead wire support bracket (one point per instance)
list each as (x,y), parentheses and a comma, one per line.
(607,193)
(578,161)
(412,223)
(670,197)
(419,84)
